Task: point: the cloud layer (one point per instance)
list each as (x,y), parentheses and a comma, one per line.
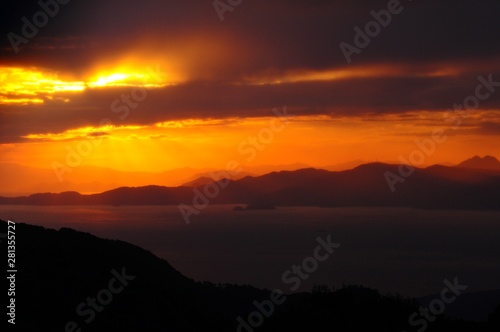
(263,55)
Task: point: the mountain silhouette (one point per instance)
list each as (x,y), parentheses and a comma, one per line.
(486,163)
(94,179)
(201,181)
(435,187)
(62,270)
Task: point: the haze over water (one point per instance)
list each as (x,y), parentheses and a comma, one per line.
(392,249)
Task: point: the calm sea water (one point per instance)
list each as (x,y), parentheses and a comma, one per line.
(392,249)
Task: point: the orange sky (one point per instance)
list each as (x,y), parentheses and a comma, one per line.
(164,94)
(317,140)
(210,143)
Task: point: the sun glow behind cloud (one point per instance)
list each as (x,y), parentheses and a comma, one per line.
(30,85)
(114,79)
(33,85)
(123,76)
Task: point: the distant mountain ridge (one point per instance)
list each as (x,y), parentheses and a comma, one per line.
(93,179)
(476,162)
(435,187)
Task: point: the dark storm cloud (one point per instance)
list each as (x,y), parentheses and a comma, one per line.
(257,37)
(353,97)
(287,34)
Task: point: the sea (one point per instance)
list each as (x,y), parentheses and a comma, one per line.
(398,250)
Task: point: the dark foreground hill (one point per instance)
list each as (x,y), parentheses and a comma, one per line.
(73,281)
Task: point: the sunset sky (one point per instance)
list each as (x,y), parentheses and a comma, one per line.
(158,85)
